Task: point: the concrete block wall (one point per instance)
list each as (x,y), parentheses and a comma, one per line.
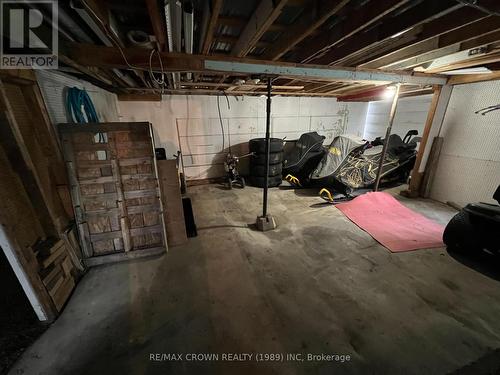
(191,124)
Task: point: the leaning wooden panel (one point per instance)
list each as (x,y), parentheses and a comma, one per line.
(115,189)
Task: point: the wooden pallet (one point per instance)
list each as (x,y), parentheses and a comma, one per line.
(56,269)
(114,189)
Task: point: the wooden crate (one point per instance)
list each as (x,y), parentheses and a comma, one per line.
(114,190)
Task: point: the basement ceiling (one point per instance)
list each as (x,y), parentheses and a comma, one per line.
(390,35)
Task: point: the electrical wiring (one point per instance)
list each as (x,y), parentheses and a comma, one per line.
(161,81)
(113,38)
(221,124)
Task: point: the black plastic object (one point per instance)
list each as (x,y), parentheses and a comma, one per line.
(260,170)
(191,229)
(260,181)
(260,159)
(258,145)
(160,153)
(303,155)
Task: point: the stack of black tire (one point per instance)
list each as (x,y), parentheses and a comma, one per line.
(258,162)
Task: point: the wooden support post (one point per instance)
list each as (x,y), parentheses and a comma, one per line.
(416,176)
(392,114)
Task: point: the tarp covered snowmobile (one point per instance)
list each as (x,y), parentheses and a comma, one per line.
(352,163)
(302,156)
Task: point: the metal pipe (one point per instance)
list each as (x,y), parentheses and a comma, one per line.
(268,144)
(188,31)
(392,114)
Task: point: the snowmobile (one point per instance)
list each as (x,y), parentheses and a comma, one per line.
(475,228)
(351,163)
(301,156)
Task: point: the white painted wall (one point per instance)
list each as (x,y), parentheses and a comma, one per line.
(54,85)
(469,164)
(191,124)
(411,113)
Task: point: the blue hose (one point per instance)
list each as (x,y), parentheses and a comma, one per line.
(80,107)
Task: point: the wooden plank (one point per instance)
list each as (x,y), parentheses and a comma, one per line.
(144,208)
(157,25)
(63,292)
(429,14)
(56,254)
(112,58)
(106,236)
(98,197)
(49,277)
(431,167)
(125,256)
(265,14)
(173,213)
(367,15)
(134,161)
(139,98)
(473,78)
(103,127)
(414,186)
(209,34)
(425,44)
(83,230)
(146,230)
(124,220)
(315,16)
(141,193)
(102,213)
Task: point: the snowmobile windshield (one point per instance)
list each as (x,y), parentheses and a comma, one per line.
(295,151)
(338,151)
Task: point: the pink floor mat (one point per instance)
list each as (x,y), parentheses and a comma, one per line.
(393,225)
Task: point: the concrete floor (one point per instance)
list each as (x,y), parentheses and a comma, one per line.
(317,284)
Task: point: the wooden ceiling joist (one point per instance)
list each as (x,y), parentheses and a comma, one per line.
(359,43)
(473,78)
(365,16)
(264,16)
(307,23)
(209,35)
(157,23)
(461,34)
(448,50)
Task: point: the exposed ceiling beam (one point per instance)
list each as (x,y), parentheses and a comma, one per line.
(257,86)
(387,30)
(315,16)
(110,57)
(241,22)
(266,13)
(472,78)
(469,63)
(446,51)
(233,39)
(364,17)
(157,23)
(209,35)
(149,97)
(236,93)
(462,34)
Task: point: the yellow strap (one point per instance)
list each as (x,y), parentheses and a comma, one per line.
(326,195)
(293,180)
